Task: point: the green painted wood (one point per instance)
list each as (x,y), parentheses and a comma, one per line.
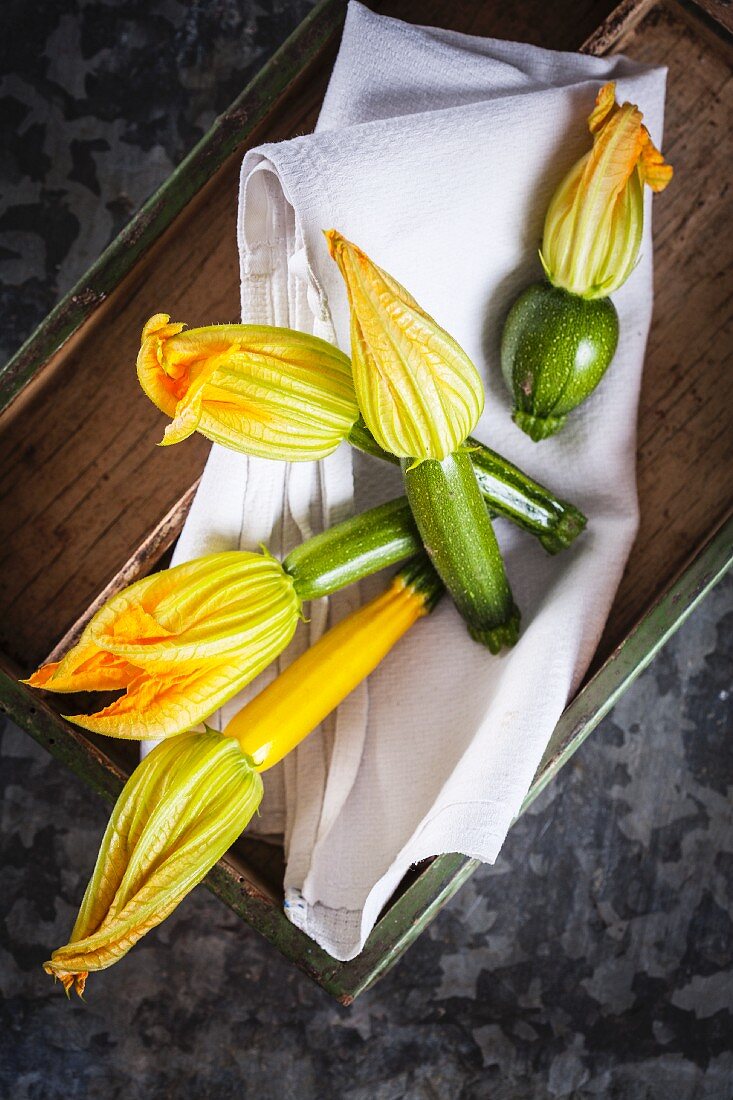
(417,906)
(399,927)
(629,660)
(439,880)
(226,135)
(65,742)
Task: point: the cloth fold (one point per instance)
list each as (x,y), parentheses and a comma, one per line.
(437,153)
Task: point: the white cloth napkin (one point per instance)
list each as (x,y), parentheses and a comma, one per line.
(437,153)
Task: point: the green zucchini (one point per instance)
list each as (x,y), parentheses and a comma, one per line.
(507,491)
(556,347)
(456,530)
(354,549)
(510,493)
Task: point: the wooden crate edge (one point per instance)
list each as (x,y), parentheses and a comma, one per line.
(228,131)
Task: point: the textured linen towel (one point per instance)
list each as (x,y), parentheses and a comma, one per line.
(437,153)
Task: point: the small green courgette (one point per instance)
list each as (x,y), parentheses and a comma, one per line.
(560,336)
(456,530)
(556,347)
(354,549)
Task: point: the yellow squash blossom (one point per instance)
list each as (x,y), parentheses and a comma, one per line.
(190,798)
(329,412)
(594,223)
(418,391)
(179,643)
(179,812)
(270,392)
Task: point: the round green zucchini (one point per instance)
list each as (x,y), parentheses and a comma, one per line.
(555,349)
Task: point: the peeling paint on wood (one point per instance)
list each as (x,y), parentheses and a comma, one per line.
(233,880)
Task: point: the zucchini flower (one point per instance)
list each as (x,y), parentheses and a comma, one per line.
(273,392)
(560,337)
(179,643)
(506,490)
(594,223)
(183,807)
(186,803)
(420,396)
(418,391)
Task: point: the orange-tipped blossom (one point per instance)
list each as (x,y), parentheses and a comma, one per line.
(191,797)
(419,393)
(270,392)
(180,643)
(594,222)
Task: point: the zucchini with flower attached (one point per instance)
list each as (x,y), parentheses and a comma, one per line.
(421,397)
(191,797)
(276,393)
(507,491)
(179,643)
(560,335)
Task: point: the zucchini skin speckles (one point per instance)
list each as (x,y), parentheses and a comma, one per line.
(456,530)
(555,349)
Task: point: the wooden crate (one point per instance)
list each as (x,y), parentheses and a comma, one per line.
(90,504)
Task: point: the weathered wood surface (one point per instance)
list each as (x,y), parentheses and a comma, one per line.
(685,441)
(88,502)
(81,477)
(83,482)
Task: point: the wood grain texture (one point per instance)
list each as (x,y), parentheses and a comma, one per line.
(81,481)
(720,11)
(88,503)
(281,77)
(685,440)
(82,484)
(557,25)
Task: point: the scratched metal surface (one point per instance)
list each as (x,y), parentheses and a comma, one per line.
(595,959)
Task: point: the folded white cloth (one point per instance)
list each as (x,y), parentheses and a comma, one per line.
(437,153)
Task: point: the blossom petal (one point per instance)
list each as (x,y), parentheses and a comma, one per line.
(189,409)
(85,668)
(594,223)
(266,391)
(604,107)
(199,611)
(159,386)
(181,642)
(179,812)
(653,168)
(418,391)
(165,704)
